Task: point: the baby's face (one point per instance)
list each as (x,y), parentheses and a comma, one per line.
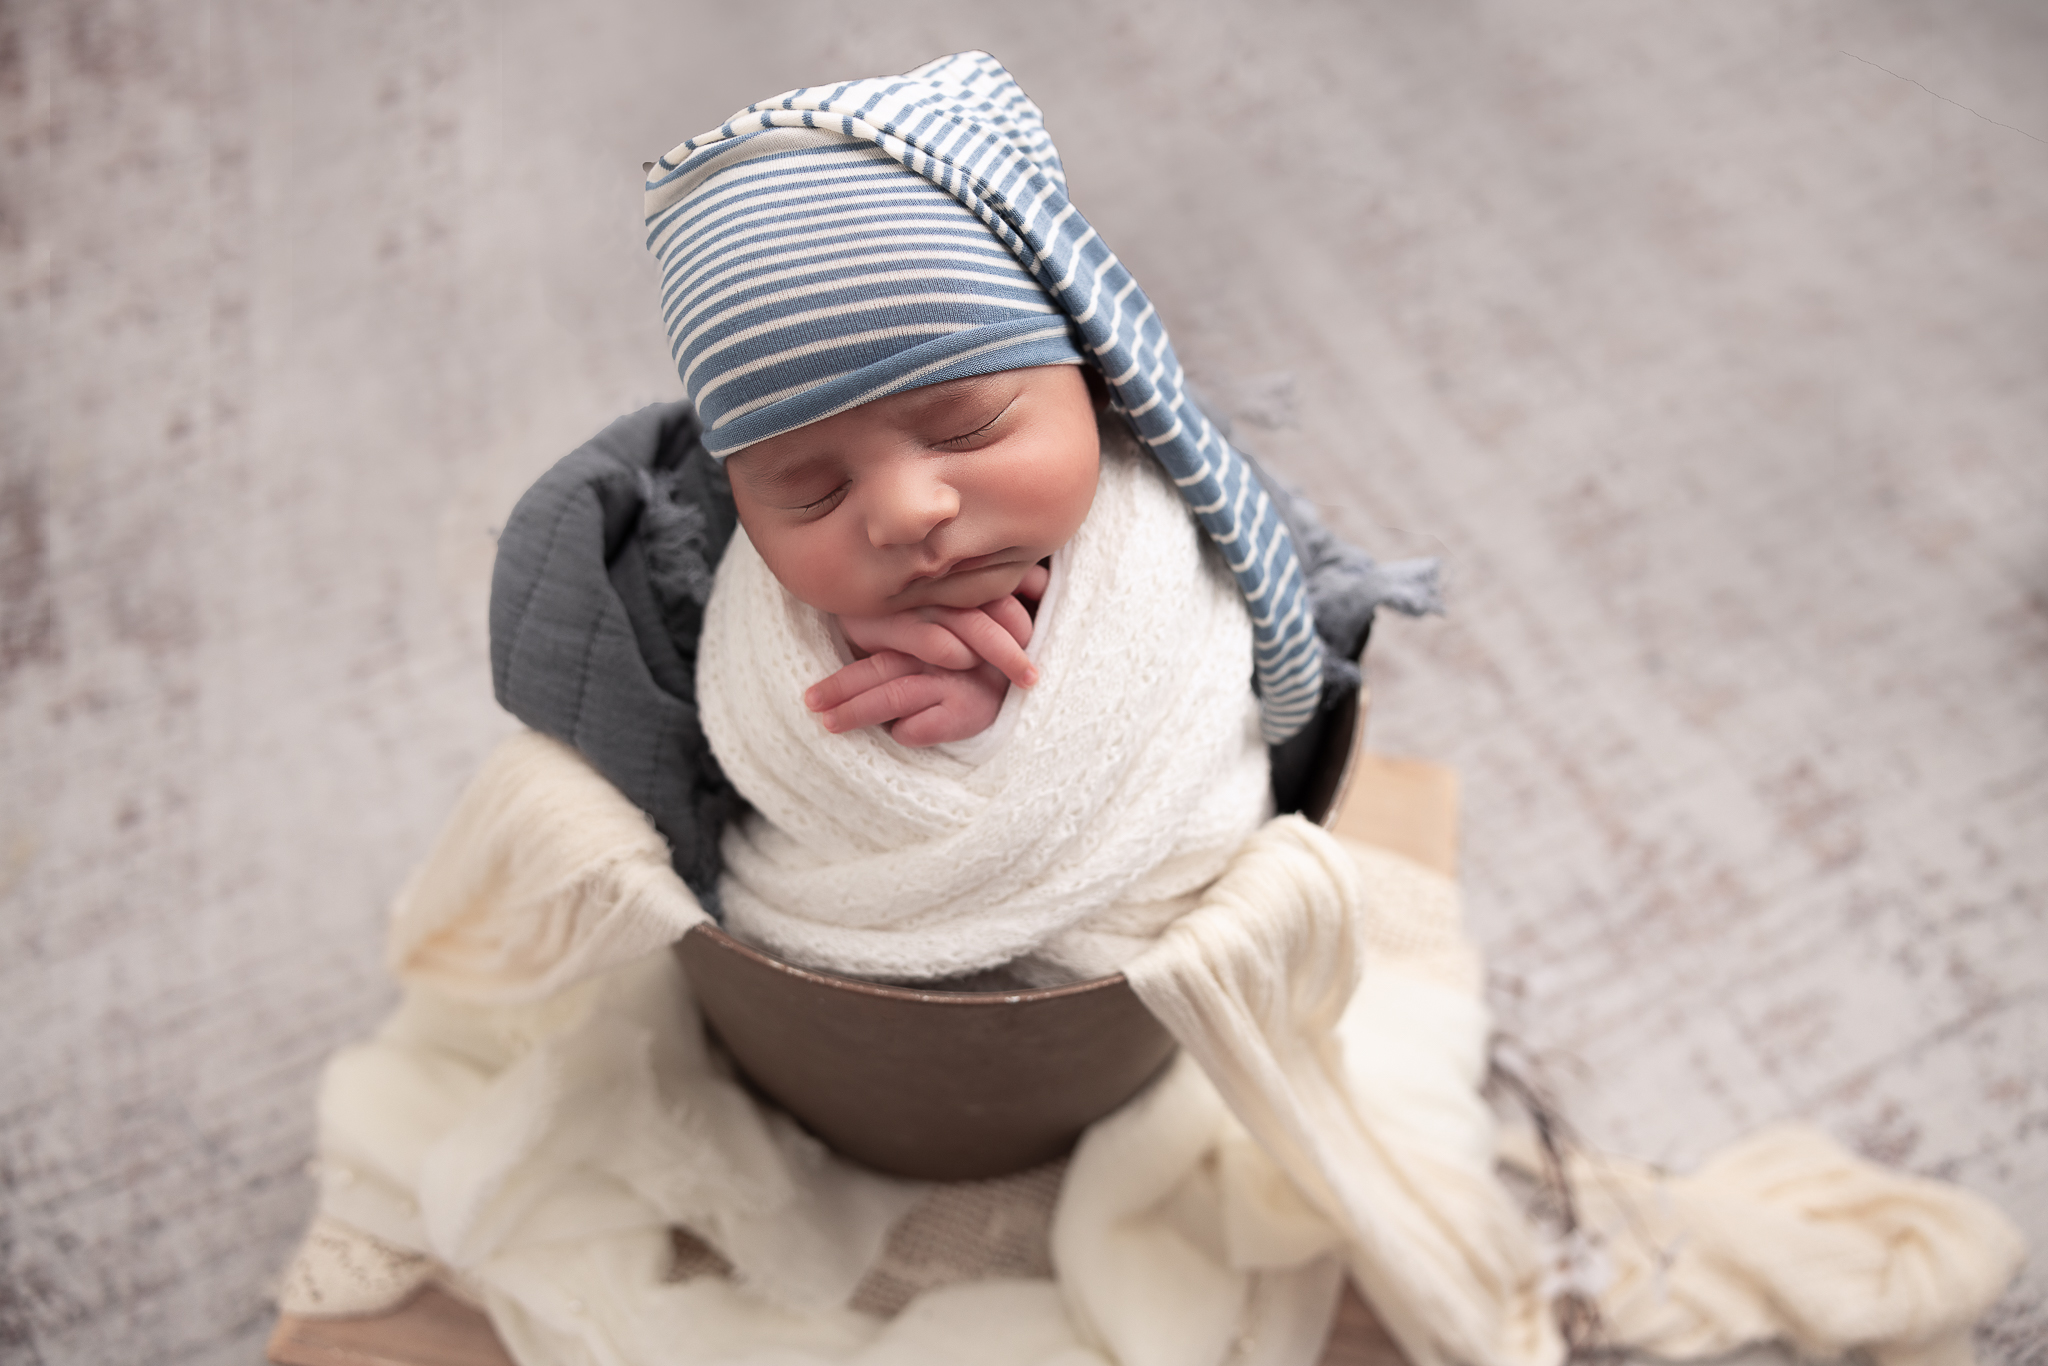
(942,496)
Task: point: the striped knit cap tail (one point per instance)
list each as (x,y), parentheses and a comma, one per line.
(852,281)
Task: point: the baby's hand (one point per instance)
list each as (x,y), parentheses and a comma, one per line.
(953,637)
(928,704)
(938,673)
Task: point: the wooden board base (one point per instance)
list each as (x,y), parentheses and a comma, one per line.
(1407,805)
(435,1329)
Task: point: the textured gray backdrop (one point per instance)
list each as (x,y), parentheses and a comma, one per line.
(1707,342)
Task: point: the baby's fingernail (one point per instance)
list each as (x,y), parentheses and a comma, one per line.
(1031,677)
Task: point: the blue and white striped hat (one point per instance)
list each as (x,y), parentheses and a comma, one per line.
(804,272)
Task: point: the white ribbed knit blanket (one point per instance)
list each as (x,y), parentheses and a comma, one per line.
(1089,817)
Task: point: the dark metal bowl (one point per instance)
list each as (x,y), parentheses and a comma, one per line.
(950,1085)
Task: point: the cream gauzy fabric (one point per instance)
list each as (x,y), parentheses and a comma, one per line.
(544,875)
(1091,815)
(538,1151)
(1784,1235)
(533,1148)
(1381,1129)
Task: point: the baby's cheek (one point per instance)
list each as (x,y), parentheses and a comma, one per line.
(820,573)
(1064,491)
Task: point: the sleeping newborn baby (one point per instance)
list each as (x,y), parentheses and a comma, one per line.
(972,661)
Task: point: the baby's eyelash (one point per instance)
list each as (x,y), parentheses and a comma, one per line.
(964,435)
(982,428)
(819,503)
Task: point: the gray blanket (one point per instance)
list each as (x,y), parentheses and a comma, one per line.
(598,599)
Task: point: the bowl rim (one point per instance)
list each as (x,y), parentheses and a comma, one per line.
(920,995)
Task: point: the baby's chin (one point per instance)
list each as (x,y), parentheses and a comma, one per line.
(964,589)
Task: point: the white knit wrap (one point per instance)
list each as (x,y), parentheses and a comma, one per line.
(1090,816)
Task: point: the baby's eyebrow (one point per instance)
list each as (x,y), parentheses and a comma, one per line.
(950,411)
(953,392)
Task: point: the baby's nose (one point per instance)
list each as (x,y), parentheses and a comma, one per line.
(909,507)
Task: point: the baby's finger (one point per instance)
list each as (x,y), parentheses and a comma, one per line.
(992,642)
(1009,614)
(890,701)
(968,707)
(1032,585)
(911,633)
(857,678)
